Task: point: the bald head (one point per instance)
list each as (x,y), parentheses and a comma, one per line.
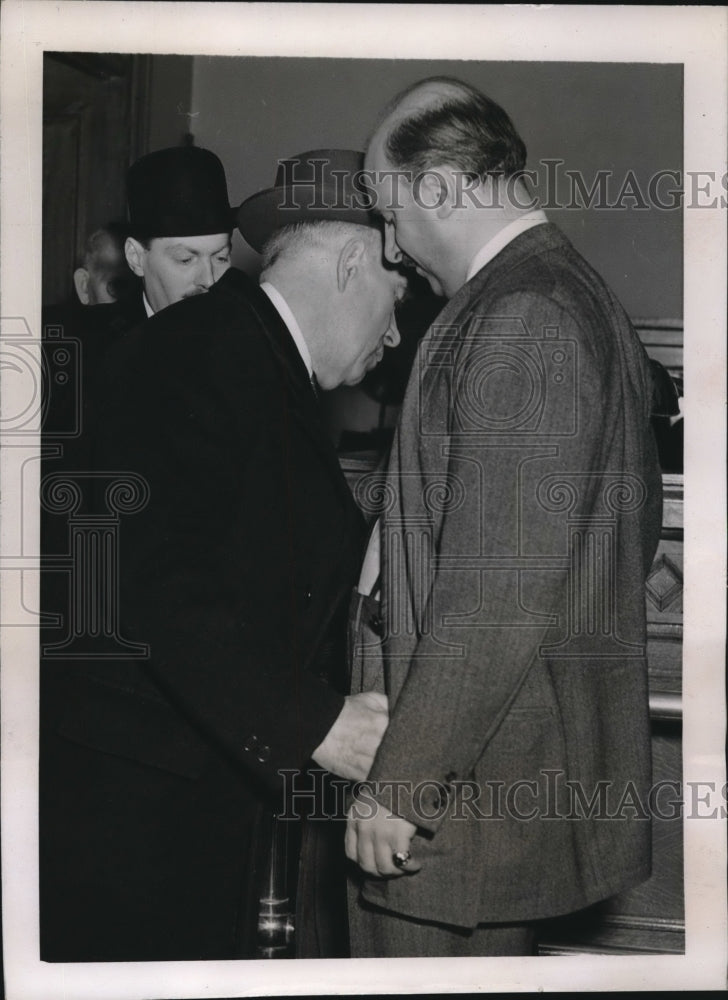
(445,121)
(426,94)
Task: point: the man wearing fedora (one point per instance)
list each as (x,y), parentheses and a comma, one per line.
(160,770)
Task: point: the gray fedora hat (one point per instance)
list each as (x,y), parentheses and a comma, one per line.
(320,185)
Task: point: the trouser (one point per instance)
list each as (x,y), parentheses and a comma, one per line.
(378,933)
(321,908)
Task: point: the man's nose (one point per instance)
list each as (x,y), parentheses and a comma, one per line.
(391,250)
(205,273)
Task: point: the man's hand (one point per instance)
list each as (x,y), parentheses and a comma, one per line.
(350,745)
(374,836)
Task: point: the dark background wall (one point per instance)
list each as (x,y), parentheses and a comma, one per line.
(101,111)
(168,98)
(593,116)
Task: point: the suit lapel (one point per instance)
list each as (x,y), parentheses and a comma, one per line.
(435,362)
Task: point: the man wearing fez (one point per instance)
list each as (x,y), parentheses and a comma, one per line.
(234,568)
(176,243)
(180,224)
(522,517)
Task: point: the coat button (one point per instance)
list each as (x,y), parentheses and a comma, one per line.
(251,742)
(263,754)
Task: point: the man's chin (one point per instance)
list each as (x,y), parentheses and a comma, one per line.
(373,362)
(353,380)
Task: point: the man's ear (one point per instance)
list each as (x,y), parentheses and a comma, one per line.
(80,283)
(135,253)
(350,260)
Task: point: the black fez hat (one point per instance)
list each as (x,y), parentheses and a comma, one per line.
(321,185)
(178,192)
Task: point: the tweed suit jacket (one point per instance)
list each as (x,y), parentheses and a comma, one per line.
(523,508)
(157,770)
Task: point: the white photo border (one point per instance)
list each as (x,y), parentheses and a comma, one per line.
(694,36)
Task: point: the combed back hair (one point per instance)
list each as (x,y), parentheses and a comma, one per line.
(463,128)
(300,237)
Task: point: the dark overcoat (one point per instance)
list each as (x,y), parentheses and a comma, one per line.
(75,341)
(523,508)
(238,544)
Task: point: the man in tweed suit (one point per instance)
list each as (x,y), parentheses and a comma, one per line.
(522,510)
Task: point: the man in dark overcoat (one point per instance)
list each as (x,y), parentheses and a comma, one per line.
(221,544)
(175,244)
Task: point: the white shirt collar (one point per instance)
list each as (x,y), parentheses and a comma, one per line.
(147,308)
(503,238)
(284,310)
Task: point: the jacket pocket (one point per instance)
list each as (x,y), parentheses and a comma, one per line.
(122,723)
